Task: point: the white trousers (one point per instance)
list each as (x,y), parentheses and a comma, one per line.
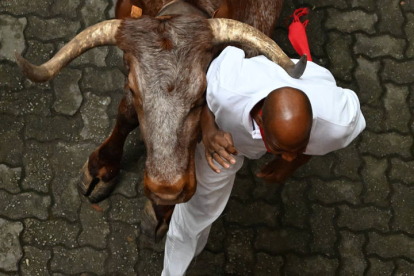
(191,221)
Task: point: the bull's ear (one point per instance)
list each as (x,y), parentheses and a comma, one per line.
(223,11)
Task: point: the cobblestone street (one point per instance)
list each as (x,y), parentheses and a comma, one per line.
(347,213)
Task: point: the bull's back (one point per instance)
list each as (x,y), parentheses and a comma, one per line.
(152,7)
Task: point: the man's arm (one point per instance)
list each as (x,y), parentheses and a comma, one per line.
(279,169)
(218,144)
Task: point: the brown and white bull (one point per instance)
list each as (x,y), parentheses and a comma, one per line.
(167,52)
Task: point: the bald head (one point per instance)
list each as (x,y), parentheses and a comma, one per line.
(287,118)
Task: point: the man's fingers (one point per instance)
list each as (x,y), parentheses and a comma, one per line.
(219,159)
(225,155)
(211,164)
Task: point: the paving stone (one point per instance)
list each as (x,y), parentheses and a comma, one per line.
(51,128)
(24,205)
(368,5)
(377,46)
(243,184)
(93,11)
(102,81)
(10,248)
(38,172)
(368,81)
(315,30)
(239,251)
(339,53)
(340,4)
(282,240)
(9,178)
(32,101)
(398,112)
(390,246)
(374,117)
(78,260)
(249,214)
(385,144)
(366,218)
(379,268)
(207,264)
(398,72)
(348,162)
(50,233)
(126,209)
(95,227)
(65,8)
(262,190)
(215,242)
(10,129)
(54,28)
(407,5)
(115,58)
(376,183)
(67,93)
(323,230)
(335,191)
(20,7)
(95,56)
(268,265)
(34,261)
(351,21)
(153,263)
(310,265)
(294,203)
(392,19)
(38,52)
(318,166)
(402,171)
(403,206)
(11,36)
(123,248)
(404,268)
(352,257)
(11,77)
(127,183)
(95,119)
(66,163)
(111,11)
(409,31)
(149,244)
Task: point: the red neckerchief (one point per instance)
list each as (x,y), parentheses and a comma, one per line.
(262,133)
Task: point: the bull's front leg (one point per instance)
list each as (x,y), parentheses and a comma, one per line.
(99,173)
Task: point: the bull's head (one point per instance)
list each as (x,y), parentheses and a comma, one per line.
(167,58)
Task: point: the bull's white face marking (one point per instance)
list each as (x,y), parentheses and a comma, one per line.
(166,121)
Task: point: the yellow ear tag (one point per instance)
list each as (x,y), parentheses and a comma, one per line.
(136,12)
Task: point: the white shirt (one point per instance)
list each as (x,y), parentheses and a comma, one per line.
(236,85)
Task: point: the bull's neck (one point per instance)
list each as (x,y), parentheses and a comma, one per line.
(182,8)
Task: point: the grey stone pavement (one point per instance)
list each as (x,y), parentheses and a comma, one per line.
(346,213)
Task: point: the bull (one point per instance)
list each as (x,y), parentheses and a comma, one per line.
(166,54)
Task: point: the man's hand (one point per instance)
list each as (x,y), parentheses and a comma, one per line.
(219,146)
(279,169)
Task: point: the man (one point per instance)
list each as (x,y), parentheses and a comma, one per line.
(248,100)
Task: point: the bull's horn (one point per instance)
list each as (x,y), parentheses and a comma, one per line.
(97,35)
(228,30)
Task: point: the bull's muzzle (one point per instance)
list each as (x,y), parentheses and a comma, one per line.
(163,193)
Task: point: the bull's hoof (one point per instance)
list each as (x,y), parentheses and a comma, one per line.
(94,188)
(154,229)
